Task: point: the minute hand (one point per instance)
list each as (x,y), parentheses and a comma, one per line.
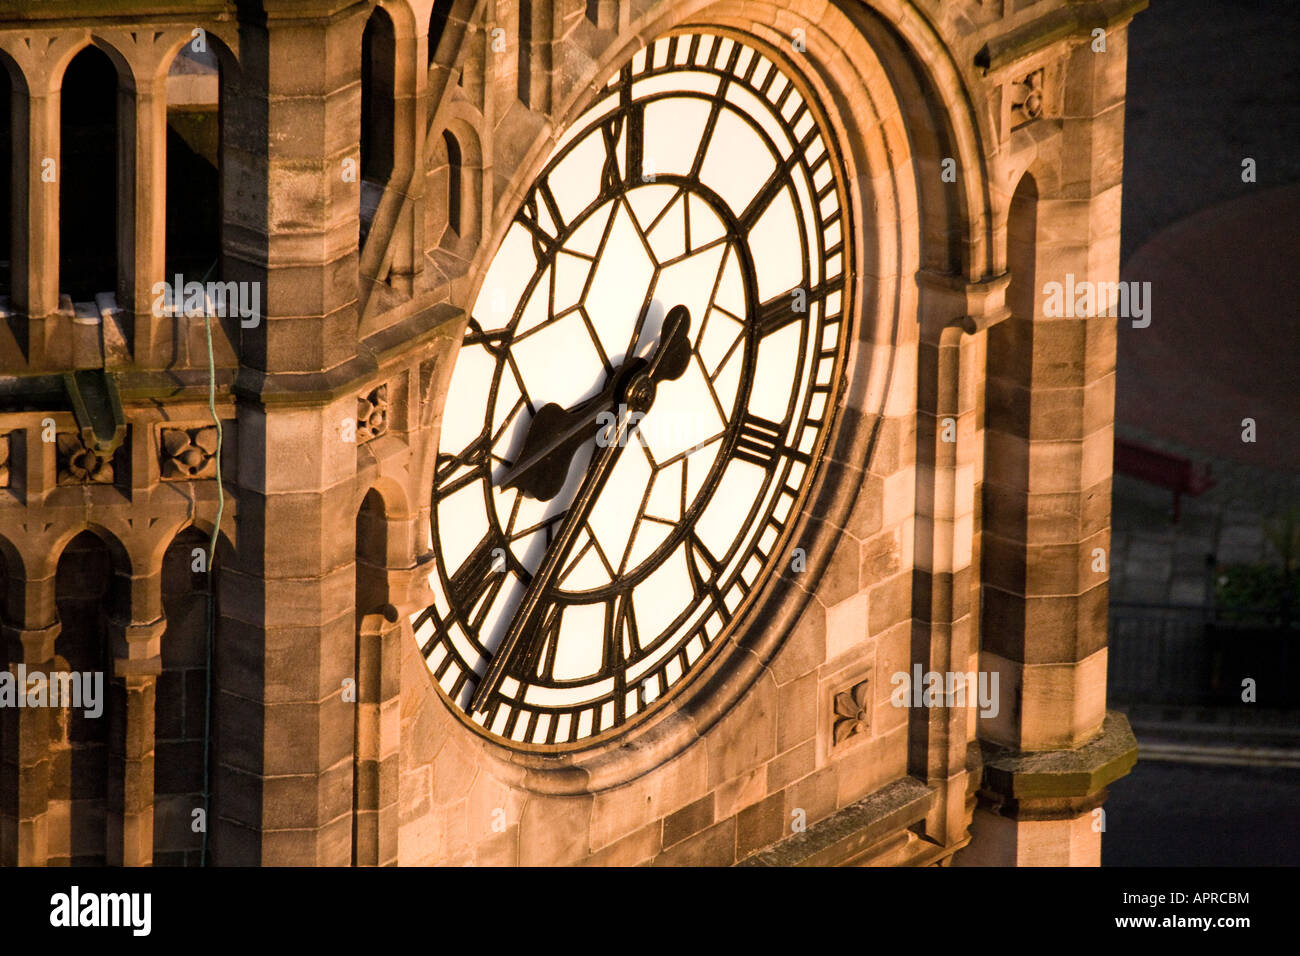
(522,626)
(637,395)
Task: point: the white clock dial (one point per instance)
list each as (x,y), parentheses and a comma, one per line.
(674,276)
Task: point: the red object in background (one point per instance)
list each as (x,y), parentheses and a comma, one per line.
(1180,475)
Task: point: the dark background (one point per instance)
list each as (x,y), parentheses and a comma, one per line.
(1210,83)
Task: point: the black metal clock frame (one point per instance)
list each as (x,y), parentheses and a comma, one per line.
(472,588)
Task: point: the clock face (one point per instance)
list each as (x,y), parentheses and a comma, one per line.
(640,400)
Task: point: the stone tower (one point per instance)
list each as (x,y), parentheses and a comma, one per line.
(234,294)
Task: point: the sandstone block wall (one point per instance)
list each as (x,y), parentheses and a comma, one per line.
(966,487)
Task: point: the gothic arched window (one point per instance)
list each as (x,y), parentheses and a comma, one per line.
(87,174)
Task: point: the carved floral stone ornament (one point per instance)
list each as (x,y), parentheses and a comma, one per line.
(372,414)
(187,453)
(80,464)
(1027,99)
(852,712)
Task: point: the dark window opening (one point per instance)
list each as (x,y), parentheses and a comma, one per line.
(453,181)
(525,50)
(87,176)
(79,767)
(193,166)
(7,224)
(438,26)
(371,594)
(377,91)
(181,702)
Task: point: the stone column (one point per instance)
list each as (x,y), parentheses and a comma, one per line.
(142,226)
(379,681)
(36,248)
(28,638)
(952,311)
(131,749)
(24,822)
(1053,748)
(288,630)
(539,29)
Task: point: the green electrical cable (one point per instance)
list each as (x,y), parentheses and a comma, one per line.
(212,591)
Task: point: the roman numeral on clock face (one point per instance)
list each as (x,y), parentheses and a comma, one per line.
(540,659)
(624,639)
(702,567)
(480,577)
(540,215)
(759,443)
(451,474)
(610,177)
(779,311)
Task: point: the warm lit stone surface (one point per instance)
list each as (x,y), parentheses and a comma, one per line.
(966,482)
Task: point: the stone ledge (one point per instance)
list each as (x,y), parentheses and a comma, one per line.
(270,389)
(324,387)
(1062,22)
(403,337)
(975,305)
(175,386)
(1057,774)
(848,832)
(25,12)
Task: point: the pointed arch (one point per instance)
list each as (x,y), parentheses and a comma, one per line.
(85,595)
(194,84)
(438,26)
(455,177)
(378,92)
(1004,492)
(11,233)
(375,670)
(15,181)
(88,175)
(455,187)
(181,709)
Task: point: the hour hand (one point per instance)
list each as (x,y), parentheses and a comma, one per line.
(674,351)
(553,437)
(555,433)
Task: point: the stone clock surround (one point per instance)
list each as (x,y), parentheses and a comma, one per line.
(614,774)
(893,533)
(693,711)
(685,711)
